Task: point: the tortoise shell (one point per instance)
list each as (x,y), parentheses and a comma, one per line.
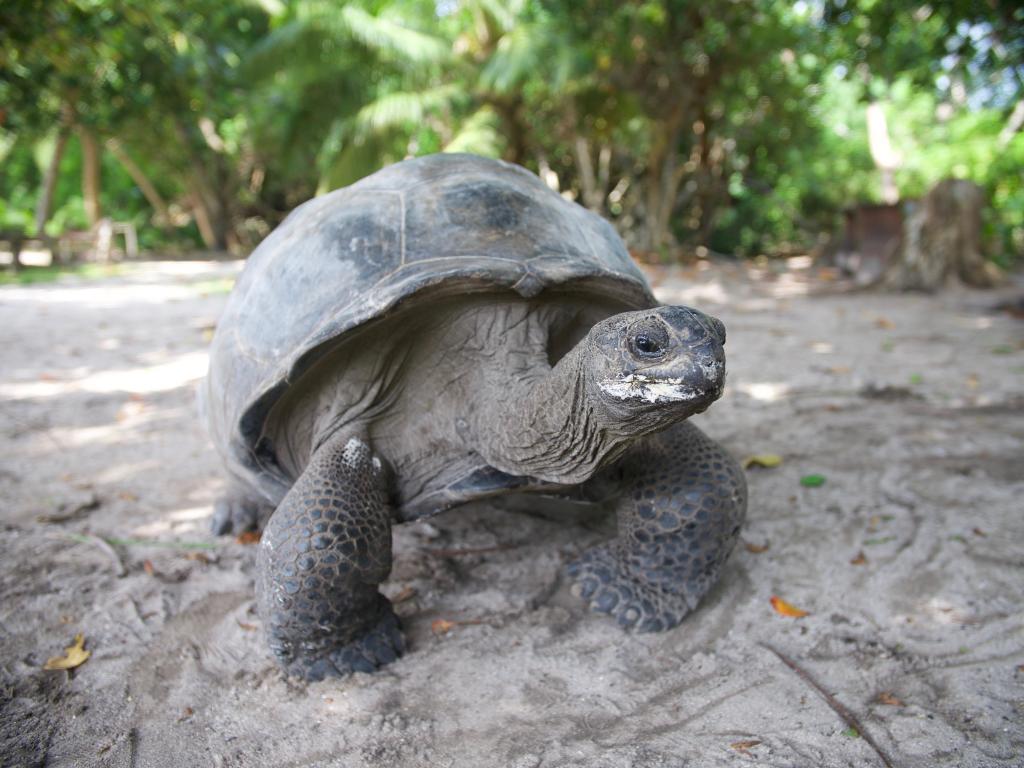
(434,226)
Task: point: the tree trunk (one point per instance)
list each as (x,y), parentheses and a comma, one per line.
(663,180)
(942,241)
(153,197)
(90,175)
(207,207)
(887,160)
(204,221)
(45,206)
(515,131)
(594,186)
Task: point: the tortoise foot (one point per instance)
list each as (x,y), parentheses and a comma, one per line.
(380,645)
(603,581)
(233,515)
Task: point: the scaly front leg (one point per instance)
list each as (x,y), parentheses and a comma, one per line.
(323,554)
(683,500)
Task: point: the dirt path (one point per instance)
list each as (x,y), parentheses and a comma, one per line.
(909,558)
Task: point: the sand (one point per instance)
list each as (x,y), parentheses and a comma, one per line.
(909,558)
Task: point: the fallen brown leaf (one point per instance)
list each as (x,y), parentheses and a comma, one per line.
(74,656)
(887,698)
(246,626)
(147,566)
(127,496)
(884,322)
(757,549)
(859,559)
(248,537)
(787,609)
(199,557)
(186,713)
(977,532)
(442,626)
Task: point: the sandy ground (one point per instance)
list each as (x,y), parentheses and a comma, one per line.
(909,559)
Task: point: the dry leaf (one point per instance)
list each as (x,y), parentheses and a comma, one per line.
(977,532)
(860,559)
(127,496)
(884,322)
(247,627)
(743,747)
(75,655)
(248,537)
(757,549)
(186,713)
(767,460)
(887,698)
(147,566)
(199,557)
(839,369)
(786,609)
(442,626)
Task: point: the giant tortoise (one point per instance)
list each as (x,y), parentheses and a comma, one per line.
(450,329)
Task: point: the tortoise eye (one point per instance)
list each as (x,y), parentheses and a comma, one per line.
(646,345)
(649,343)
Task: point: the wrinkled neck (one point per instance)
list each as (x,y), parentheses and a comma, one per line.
(548,426)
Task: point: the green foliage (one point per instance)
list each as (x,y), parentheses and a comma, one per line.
(737,126)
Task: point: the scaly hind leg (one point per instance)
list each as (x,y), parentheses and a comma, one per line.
(323,554)
(238,510)
(683,500)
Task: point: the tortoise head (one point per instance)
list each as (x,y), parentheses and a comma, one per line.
(655,367)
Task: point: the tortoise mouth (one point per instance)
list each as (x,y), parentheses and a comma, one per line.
(640,387)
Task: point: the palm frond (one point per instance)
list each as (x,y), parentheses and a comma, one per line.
(385,35)
(480,134)
(525,50)
(296,43)
(402,108)
(502,12)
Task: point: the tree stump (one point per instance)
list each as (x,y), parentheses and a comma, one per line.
(942,241)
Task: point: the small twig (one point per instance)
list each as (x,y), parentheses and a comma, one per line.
(846,715)
(444,626)
(119,569)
